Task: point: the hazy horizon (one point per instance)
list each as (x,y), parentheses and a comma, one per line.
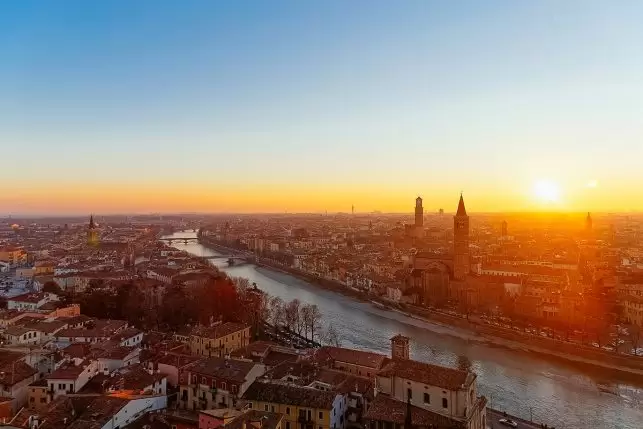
(265,107)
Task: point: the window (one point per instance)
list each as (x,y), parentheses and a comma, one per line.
(272,408)
(32,399)
(445,403)
(202,380)
(266,407)
(321,415)
(234,388)
(43,400)
(287,425)
(409,393)
(223,386)
(287,411)
(427,398)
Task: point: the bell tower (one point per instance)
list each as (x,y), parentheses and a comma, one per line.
(419,213)
(461,242)
(92,232)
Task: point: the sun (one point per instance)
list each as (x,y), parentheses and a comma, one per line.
(547,191)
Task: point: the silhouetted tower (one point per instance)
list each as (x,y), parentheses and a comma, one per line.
(503,232)
(588,222)
(419,213)
(400,347)
(353,209)
(461,242)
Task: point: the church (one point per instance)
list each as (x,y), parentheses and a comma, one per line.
(438,278)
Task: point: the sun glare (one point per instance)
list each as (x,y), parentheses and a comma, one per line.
(547,191)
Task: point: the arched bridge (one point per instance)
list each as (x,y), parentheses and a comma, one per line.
(185,240)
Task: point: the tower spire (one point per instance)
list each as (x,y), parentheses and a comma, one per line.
(462,211)
(92,225)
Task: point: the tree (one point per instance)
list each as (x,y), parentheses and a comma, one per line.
(331,337)
(304,315)
(52,287)
(176,309)
(312,320)
(276,312)
(129,304)
(292,316)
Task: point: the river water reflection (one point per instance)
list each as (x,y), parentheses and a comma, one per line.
(557,393)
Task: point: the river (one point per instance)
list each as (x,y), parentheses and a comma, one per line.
(557,393)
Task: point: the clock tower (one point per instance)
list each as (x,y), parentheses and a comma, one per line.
(461,242)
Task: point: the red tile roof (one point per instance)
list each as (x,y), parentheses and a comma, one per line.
(353,357)
(433,375)
(219,331)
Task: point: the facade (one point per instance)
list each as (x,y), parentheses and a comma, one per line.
(30,301)
(302,407)
(460,242)
(13,255)
(216,382)
(71,379)
(38,397)
(219,340)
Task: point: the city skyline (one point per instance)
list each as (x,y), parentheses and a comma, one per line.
(221,107)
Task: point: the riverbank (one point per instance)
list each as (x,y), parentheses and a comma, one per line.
(495,335)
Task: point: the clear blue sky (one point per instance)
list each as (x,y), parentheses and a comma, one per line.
(382,100)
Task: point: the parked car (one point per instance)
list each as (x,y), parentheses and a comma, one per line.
(508,422)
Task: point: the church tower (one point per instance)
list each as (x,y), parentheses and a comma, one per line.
(588,223)
(92,232)
(419,213)
(461,242)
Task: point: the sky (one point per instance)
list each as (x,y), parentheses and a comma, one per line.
(244,106)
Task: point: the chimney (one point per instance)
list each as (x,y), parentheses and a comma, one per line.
(400,347)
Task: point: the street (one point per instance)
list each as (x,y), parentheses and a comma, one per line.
(493,421)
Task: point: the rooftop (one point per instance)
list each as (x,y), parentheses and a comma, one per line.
(289,395)
(215,332)
(229,369)
(434,375)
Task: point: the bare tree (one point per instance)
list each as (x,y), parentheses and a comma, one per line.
(314,321)
(304,315)
(331,337)
(292,316)
(242,284)
(276,312)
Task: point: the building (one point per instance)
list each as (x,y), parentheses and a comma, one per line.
(356,362)
(15,378)
(419,213)
(92,233)
(38,397)
(219,340)
(460,242)
(13,255)
(30,301)
(588,223)
(18,335)
(71,378)
(216,382)
(302,407)
(428,395)
(234,419)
